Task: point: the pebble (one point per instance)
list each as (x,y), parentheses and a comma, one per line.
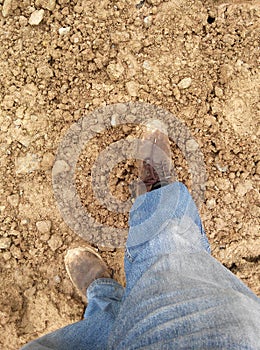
(115,71)
(191,145)
(47,161)
(8,102)
(222,169)
(211,203)
(25,140)
(55,242)
(6,255)
(36,17)
(59,167)
(13,200)
(114,119)
(147,21)
(5,242)
(218,91)
(132,88)
(185,83)
(243,188)
(44,72)
(223,184)
(146,65)
(46,4)
(24,222)
(176,93)
(28,293)
(64,30)
(6,7)
(43,226)
(57,279)
(27,164)
(23,21)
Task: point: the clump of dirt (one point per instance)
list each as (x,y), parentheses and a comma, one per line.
(62,59)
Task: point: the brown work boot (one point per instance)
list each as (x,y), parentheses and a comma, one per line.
(84,265)
(155,168)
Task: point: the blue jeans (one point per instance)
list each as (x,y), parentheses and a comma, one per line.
(177,295)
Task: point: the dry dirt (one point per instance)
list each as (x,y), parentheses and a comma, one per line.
(110,52)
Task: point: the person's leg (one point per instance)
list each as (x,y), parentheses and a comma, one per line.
(177,295)
(104,297)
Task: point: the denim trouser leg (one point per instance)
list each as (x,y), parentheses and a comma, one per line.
(104,297)
(177,295)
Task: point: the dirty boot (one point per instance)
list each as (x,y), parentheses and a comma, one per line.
(84,265)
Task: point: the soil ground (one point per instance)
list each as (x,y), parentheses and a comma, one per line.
(110,52)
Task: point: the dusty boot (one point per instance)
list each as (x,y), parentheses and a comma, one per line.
(155,168)
(84,265)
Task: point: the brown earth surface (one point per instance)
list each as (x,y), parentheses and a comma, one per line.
(75,56)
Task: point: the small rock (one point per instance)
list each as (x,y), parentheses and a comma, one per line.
(147,21)
(28,293)
(228,198)
(229,39)
(218,91)
(6,255)
(64,30)
(64,88)
(221,168)
(211,203)
(115,71)
(36,17)
(23,21)
(146,65)
(6,7)
(46,4)
(191,145)
(59,167)
(57,279)
(8,102)
(5,242)
(132,88)
(114,119)
(47,161)
(44,72)
(223,184)
(185,83)
(176,93)
(45,237)
(43,226)
(27,164)
(119,36)
(97,128)
(24,222)
(55,242)
(25,140)
(13,200)
(243,188)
